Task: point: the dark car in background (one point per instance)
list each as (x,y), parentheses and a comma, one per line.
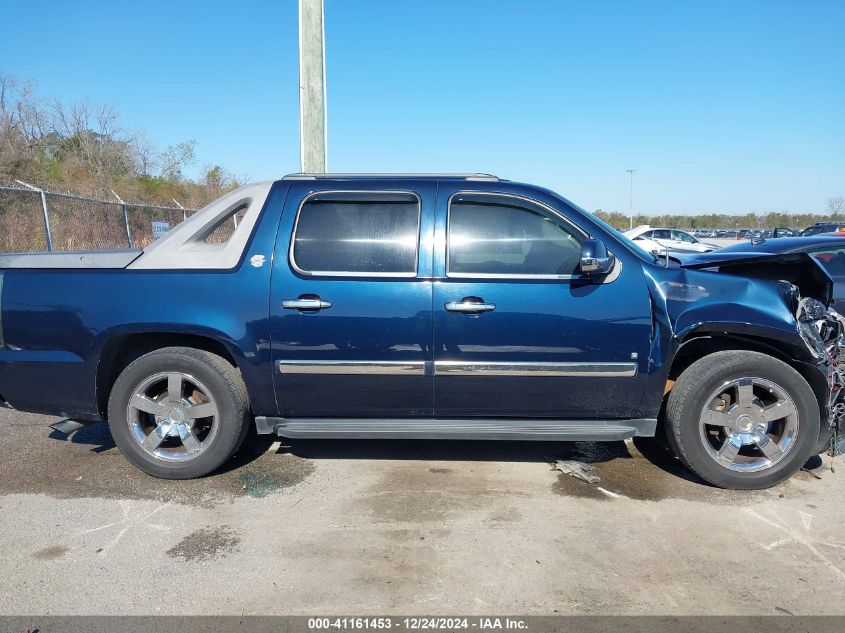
(827,249)
(823,227)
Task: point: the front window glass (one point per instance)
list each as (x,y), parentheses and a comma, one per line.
(498,235)
(358,233)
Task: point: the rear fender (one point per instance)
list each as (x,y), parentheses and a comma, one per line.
(114,347)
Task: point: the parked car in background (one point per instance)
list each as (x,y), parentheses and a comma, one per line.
(823,227)
(659,240)
(827,248)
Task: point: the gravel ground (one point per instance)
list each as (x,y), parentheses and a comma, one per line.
(390,527)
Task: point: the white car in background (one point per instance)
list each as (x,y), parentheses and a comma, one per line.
(676,241)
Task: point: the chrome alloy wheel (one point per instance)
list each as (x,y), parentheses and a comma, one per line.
(749,424)
(172,416)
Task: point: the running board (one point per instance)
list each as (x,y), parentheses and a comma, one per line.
(446,429)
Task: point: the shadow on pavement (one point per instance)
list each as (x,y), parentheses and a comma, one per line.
(98,436)
(455,450)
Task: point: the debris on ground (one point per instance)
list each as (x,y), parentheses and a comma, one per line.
(810,472)
(579,470)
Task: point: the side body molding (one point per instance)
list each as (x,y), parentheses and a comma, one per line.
(456,368)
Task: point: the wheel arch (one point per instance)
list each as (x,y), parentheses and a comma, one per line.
(698,345)
(120,350)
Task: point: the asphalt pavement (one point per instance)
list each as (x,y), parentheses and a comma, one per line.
(404,527)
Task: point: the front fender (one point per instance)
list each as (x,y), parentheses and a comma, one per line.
(695,302)
(756,313)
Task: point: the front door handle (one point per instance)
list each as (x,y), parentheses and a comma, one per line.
(309,303)
(470,305)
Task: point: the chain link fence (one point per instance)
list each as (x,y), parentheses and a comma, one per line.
(32,220)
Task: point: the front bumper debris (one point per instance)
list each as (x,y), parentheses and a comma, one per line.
(822,329)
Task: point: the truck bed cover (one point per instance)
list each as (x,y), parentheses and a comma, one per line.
(71,259)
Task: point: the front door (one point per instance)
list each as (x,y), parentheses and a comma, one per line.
(518,332)
(351,301)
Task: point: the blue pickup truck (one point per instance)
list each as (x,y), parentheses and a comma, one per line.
(423,306)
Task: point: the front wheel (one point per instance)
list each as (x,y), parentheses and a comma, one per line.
(742,420)
(178,412)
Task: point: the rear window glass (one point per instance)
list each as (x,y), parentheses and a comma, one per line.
(358,234)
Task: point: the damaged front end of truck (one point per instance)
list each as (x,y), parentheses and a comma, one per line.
(822,329)
(781,301)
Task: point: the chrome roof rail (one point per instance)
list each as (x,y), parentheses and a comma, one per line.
(312,176)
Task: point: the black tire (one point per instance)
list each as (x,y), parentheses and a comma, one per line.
(823,443)
(226,390)
(696,384)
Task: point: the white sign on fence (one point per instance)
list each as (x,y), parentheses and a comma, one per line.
(160,229)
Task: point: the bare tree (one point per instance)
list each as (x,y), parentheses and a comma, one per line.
(145,153)
(175,158)
(836,205)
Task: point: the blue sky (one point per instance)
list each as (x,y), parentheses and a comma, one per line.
(722,106)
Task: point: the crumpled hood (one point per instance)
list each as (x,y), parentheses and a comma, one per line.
(797,268)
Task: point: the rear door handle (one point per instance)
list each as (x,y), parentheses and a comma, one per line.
(470,306)
(306,304)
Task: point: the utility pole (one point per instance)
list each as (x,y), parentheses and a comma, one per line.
(312,87)
(630,172)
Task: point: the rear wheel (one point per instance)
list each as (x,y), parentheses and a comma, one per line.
(178,413)
(742,419)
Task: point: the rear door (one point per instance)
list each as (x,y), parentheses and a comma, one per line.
(518,332)
(350,306)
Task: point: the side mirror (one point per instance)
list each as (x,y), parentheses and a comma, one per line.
(595,260)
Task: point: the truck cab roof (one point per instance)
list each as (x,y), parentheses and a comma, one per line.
(399,176)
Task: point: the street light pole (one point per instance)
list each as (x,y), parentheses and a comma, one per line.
(312,86)
(630,172)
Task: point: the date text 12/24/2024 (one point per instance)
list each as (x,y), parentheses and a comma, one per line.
(416,623)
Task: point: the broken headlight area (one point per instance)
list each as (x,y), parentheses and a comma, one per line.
(820,328)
